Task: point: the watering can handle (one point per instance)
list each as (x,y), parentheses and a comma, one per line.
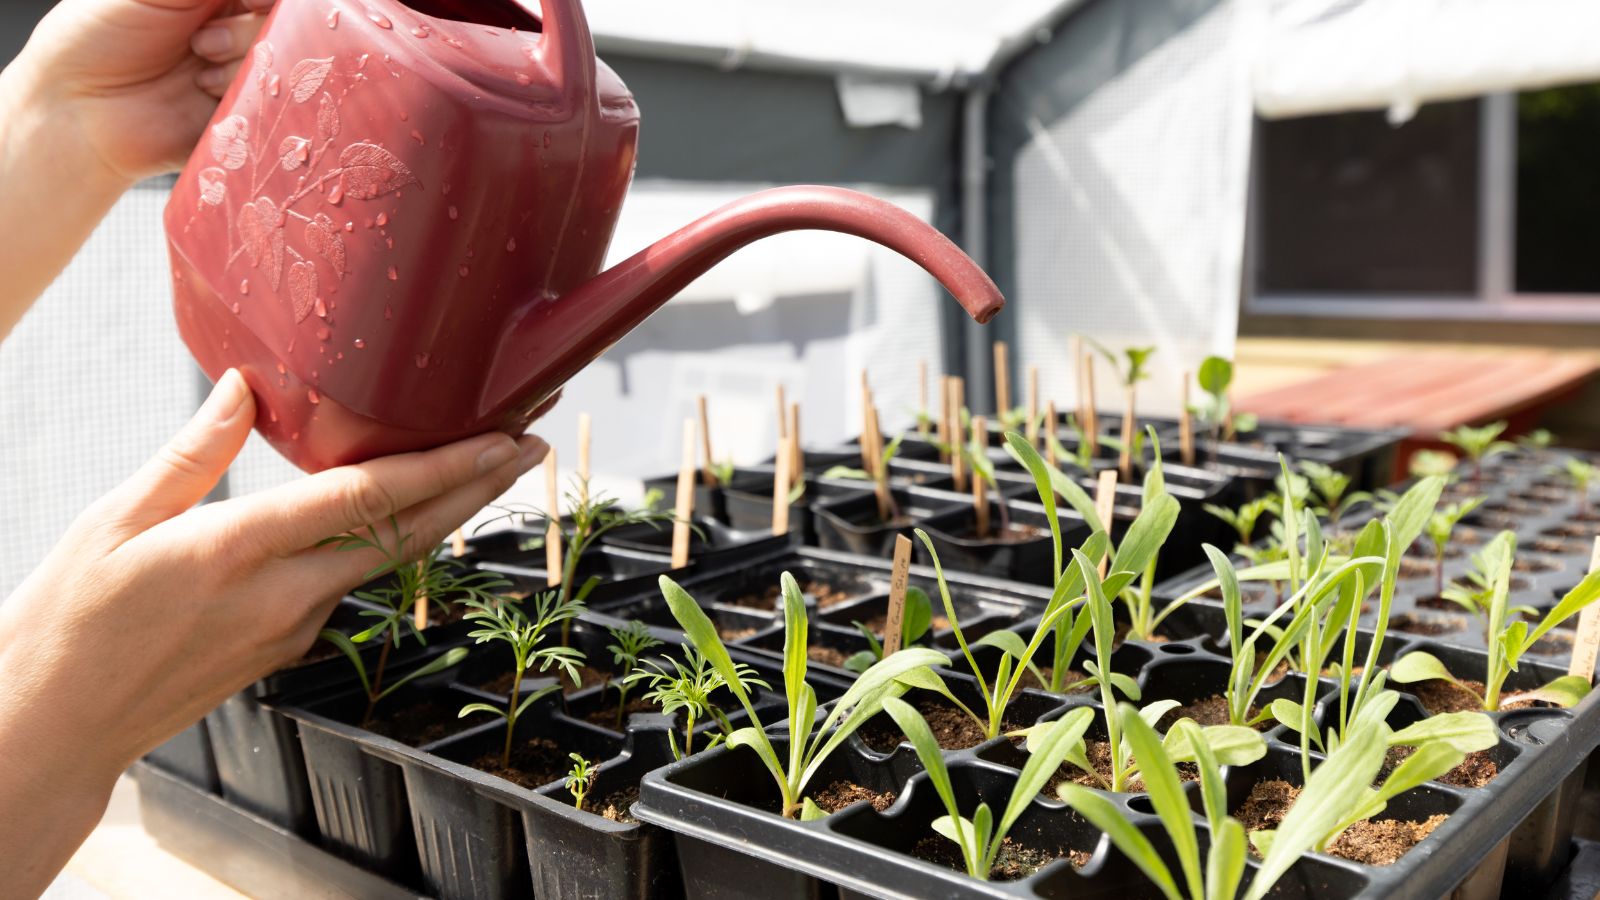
(567,49)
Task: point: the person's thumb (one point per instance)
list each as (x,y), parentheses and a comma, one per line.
(190,465)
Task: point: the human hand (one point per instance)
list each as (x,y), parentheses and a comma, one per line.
(140,79)
(150,613)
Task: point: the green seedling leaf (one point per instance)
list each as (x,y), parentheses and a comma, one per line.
(1145,536)
(471,708)
(1166,795)
(810,811)
(1565,691)
(1288,713)
(1419,666)
(1105,816)
(1231,745)
(437,664)
(1465,731)
(1046,750)
(1225,860)
(351,652)
(927,749)
(1586,592)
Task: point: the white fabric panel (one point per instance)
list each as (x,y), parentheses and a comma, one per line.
(1130,214)
(1324,56)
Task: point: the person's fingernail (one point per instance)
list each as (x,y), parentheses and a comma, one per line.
(211,79)
(533,452)
(212,42)
(498,454)
(227,398)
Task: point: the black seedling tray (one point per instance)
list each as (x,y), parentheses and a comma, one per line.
(1510,831)
(1025,554)
(851,524)
(839,589)
(256,857)
(425,817)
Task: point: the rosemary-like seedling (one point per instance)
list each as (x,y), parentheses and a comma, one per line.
(631,640)
(502,619)
(689,685)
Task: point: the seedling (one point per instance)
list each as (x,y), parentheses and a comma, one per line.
(1475,594)
(1243,520)
(722,471)
(1215,376)
(427,579)
(1218,874)
(1441,525)
(809,745)
(1137,359)
(631,640)
(1582,475)
(1426,463)
(689,685)
(878,474)
(1478,444)
(580,779)
(591,518)
(502,619)
(1508,641)
(915,623)
(980,837)
(1537,441)
(1331,485)
(1082,456)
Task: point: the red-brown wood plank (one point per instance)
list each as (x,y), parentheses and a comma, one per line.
(1408,407)
(1555,377)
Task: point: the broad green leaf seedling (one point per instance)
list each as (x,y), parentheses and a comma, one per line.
(809,744)
(1581,475)
(1508,640)
(1478,444)
(1441,525)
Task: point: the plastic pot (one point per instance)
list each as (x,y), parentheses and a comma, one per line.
(852,524)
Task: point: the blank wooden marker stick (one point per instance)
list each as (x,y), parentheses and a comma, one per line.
(894,623)
(458,543)
(958,469)
(1125,461)
(780,490)
(1002,378)
(1033,406)
(585,433)
(1186,426)
(922,396)
(1050,430)
(684,511)
(707,469)
(1105,506)
(782,405)
(943,422)
(1075,351)
(1586,644)
(980,494)
(879,472)
(1091,416)
(797,457)
(552,534)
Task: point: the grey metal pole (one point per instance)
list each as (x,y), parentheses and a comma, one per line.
(975,238)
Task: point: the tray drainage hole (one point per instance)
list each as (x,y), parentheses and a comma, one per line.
(1142,804)
(1179,649)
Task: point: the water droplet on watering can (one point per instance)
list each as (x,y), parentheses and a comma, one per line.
(547,140)
(244,286)
(338,356)
(336,196)
(295,436)
(236,309)
(417,136)
(390,242)
(422,360)
(333,19)
(511,245)
(445,188)
(524,79)
(290,348)
(465,271)
(359,344)
(349,227)
(361,61)
(274,85)
(454,43)
(471,253)
(321,309)
(421,31)
(394,274)
(313,396)
(382,219)
(324,333)
(224,344)
(454,213)
(379,19)
(272,415)
(388,312)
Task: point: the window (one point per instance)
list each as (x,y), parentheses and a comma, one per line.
(1475,208)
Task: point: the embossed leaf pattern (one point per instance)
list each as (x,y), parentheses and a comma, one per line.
(306,78)
(371,171)
(230,142)
(263,62)
(327,119)
(303,288)
(293,153)
(213,186)
(323,238)
(261,227)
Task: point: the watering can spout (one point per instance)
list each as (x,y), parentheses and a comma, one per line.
(599,312)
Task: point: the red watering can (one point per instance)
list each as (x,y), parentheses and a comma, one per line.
(395,224)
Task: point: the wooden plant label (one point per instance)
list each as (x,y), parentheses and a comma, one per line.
(894,624)
(1033,406)
(1586,644)
(585,430)
(943,422)
(782,405)
(1091,416)
(708,471)
(458,543)
(1075,353)
(1049,445)
(421,613)
(958,466)
(552,534)
(780,490)
(879,472)
(797,457)
(1105,506)
(1125,462)
(684,510)
(1186,426)
(1002,378)
(980,494)
(922,397)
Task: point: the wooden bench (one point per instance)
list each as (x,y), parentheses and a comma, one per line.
(1429,392)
